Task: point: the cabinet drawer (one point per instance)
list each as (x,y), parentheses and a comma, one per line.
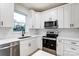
(24,42)
(71,48)
(72,42)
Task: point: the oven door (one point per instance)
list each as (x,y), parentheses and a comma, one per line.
(51,44)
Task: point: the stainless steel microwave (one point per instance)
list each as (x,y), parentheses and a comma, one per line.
(51,24)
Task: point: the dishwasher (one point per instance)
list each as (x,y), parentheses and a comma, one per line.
(10,49)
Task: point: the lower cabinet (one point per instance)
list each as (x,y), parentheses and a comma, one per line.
(39,42)
(27,46)
(59,47)
(67,47)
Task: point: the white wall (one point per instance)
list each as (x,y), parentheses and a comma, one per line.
(41,32)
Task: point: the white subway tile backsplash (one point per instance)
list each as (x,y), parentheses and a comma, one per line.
(8,32)
(69,32)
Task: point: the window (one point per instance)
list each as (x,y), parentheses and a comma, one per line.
(19,22)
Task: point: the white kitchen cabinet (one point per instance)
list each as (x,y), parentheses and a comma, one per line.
(70,48)
(37,20)
(67,47)
(60,17)
(54,14)
(32,18)
(59,47)
(50,15)
(6,14)
(28,46)
(36,17)
(71,18)
(75,15)
(67,16)
(39,42)
(43,19)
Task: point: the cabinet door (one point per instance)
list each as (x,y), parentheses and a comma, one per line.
(24,48)
(7,11)
(32,18)
(43,19)
(67,16)
(37,20)
(1,22)
(28,46)
(60,17)
(59,47)
(53,14)
(50,15)
(75,15)
(39,42)
(0,17)
(32,45)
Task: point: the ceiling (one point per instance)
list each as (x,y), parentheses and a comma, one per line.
(41,6)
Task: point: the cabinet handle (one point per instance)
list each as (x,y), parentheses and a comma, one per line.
(29,44)
(32,26)
(71,25)
(73,42)
(2,23)
(73,48)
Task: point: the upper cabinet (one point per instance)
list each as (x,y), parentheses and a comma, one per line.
(50,15)
(75,15)
(6,14)
(35,20)
(54,14)
(71,18)
(67,16)
(60,17)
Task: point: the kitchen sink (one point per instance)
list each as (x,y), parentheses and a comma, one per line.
(24,37)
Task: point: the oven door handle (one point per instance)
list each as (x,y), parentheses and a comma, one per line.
(49,38)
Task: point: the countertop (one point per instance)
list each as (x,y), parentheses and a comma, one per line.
(69,38)
(4,41)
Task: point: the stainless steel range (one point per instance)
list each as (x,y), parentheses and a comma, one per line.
(49,42)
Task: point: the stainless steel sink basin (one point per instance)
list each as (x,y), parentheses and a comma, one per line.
(24,37)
